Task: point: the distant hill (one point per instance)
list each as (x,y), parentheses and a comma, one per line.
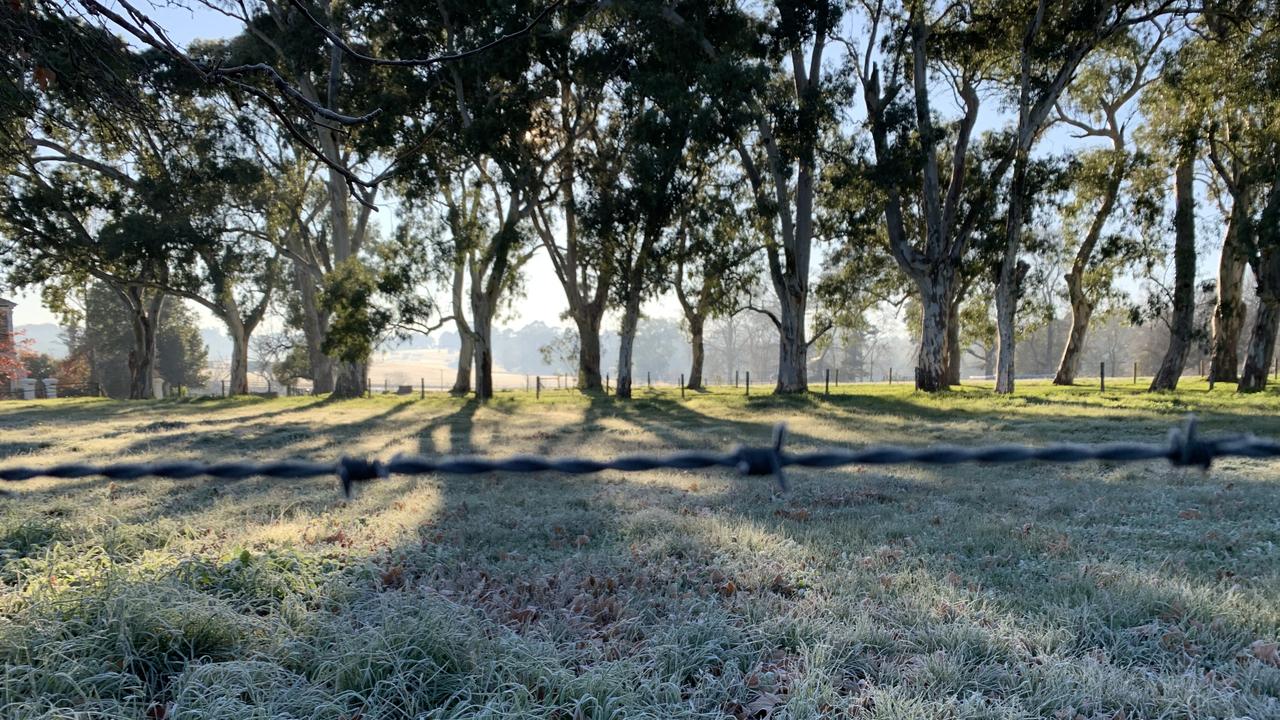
(47,338)
(217,341)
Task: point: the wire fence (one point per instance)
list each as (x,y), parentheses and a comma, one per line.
(1184,448)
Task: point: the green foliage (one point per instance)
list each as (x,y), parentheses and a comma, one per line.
(295,366)
(40,365)
(182,358)
(350,294)
(108,339)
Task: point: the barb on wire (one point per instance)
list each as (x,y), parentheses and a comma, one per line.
(1184,449)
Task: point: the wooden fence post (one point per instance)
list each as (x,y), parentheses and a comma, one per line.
(423,394)
(827,387)
(538,396)
(681,386)
(748,383)
(1102,377)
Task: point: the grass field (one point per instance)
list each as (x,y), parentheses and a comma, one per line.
(1084,591)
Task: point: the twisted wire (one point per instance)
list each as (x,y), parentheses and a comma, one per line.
(1183,449)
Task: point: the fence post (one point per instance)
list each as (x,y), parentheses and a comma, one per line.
(423,394)
(735,378)
(648,379)
(748,383)
(837,377)
(606,383)
(1102,377)
(891,376)
(224,388)
(538,396)
(1135,373)
(681,386)
(827,387)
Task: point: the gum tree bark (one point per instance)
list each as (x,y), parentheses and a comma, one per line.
(1229,310)
(635,280)
(315,322)
(788,204)
(697,353)
(492,272)
(1262,342)
(1181,324)
(466,346)
(585,282)
(466,356)
(1237,247)
(934,265)
(144,307)
(1266,265)
(1082,305)
(955,350)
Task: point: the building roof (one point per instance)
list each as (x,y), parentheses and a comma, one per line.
(7,303)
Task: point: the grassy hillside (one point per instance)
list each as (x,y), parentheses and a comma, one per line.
(1094,591)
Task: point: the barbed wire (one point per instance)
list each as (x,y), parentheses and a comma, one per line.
(1184,449)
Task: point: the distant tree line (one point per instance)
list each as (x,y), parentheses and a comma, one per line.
(803,162)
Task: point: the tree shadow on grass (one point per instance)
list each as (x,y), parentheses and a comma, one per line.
(1025,567)
(993,579)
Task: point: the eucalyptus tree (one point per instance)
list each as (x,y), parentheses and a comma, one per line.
(1232,78)
(1054,39)
(183,146)
(479,161)
(303,43)
(783,97)
(904,48)
(1260,48)
(1031,51)
(578,55)
(663,118)
(1101,104)
(1182,319)
(715,252)
(124,199)
(1176,133)
(489,247)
